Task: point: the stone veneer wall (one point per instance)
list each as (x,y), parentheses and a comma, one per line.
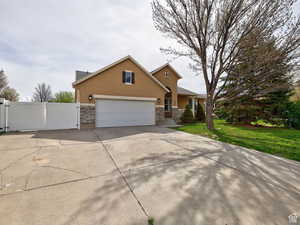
(159,114)
(87,115)
(176,114)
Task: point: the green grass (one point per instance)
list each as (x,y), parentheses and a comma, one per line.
(277,141)
(266,124)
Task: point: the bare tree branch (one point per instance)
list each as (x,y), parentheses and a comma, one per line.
(210,32)
(42,93)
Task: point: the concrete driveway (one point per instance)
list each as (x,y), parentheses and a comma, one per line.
(121,176)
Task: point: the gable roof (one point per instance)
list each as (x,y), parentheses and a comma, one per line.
(183,91)
(166,65)
(116,63)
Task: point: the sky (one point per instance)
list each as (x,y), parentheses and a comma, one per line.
(46,41)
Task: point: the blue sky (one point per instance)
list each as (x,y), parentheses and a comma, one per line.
(46,41)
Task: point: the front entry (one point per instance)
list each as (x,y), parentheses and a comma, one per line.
(168,105)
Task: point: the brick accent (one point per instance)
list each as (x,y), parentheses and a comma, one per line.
(159,114)
(176,114)
(87,116)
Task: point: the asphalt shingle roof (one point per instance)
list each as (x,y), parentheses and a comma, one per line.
(81,74)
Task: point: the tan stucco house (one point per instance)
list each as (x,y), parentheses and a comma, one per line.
(124,93)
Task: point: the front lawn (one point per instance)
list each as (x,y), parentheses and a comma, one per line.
(277,141)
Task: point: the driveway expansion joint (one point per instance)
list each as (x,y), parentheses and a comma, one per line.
(19,159)
(57,184)
(123,177)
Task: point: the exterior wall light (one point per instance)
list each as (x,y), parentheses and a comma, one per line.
(90,97)
(158,100)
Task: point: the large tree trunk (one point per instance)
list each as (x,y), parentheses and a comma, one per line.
(209,113)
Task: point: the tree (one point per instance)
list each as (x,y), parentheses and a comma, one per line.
(3,80)
(42,93)
(209,32)
(259,83)
(5,91)
(276,105)
(9,94)
(64,96)
(293,115)
(187,116)
(200,115)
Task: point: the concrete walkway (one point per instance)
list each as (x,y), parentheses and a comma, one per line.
(122,176)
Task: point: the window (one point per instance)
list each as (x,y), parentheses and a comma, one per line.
(166,74)
(128,77)
(168,104)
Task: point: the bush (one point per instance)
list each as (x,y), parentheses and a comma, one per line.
(239,114)
(187,116)
(221,113)
(293,115)
(151,221)
(200,115)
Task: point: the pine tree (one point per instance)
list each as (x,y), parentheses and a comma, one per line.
(3,80)
(200,115)
(258,85)
(187,116)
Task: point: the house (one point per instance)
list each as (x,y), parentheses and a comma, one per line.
(296,95)
(124,93)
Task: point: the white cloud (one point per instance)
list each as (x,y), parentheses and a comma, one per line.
(46,41)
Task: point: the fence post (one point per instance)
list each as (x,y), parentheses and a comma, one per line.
(2,111)
(6,105)
(45,109)
(78,116)
(3,115)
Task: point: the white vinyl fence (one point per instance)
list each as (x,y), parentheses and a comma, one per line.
(2,114)
(18,116)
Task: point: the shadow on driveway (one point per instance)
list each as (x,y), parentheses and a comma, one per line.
(222,185)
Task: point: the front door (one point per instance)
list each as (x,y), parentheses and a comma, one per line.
(168,105)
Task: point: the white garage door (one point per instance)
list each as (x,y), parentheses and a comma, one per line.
(115,113)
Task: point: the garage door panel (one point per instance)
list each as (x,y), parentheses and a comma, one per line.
(124,123)
(118,116)
(112,113)
(125,106)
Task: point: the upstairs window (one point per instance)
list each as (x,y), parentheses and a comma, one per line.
(166,74)
(128,77)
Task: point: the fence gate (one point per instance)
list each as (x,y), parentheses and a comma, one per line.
(40,116)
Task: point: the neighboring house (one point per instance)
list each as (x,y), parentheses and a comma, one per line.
(296,96)
(126,94)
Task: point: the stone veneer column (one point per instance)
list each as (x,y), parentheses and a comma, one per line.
(176,114)
(159,113)
(87,116)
